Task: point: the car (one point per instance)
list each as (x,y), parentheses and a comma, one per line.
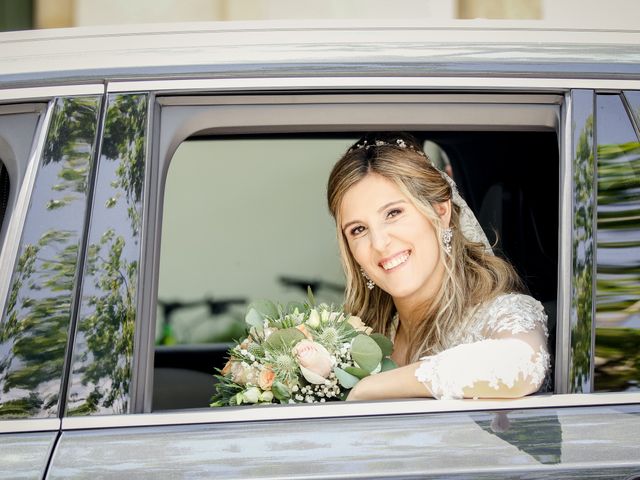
(156,180)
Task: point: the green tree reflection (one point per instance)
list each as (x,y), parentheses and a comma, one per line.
(617,362)
(104,348)
(34,331)
(583,249)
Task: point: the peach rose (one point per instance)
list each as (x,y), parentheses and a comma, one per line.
(243,375)
(304,331)
(314,361)
(265,380)
(357,323)
(227,368)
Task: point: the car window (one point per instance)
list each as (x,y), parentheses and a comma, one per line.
(245,218)
(37,314)
(617,357)
(18,126)
(5,189)
(101,365)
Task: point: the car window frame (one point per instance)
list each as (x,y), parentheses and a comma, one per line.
(164,147)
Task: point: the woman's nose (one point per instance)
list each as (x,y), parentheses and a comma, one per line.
(379,239)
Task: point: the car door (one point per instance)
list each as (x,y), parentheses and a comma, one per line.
(111,427)
(48,148)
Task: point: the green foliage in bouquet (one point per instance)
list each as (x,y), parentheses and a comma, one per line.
(300,353)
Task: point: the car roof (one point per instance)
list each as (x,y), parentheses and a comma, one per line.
(315,48)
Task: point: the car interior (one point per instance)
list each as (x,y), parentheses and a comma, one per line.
(510,179)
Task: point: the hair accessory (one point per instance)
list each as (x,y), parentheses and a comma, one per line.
(370,283)
(400,143)
(447,235)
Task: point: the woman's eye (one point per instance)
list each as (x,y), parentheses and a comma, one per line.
(394,213)
(355,231)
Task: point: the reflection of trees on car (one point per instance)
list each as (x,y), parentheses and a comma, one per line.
(35,328)
(583,250)
(617,362)
(104,345)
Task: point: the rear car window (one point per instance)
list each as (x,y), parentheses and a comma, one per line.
(617,357)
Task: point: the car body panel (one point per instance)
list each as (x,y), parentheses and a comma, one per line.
(539,443)
(262,50)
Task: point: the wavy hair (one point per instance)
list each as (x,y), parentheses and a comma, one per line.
(472,275)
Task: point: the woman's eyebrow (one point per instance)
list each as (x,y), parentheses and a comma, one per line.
(387,205)
(382,208)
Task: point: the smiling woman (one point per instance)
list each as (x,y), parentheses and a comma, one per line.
(460,326)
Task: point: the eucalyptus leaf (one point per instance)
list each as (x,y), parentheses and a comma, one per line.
(280,391)
(346,379)
(384,343)
(254,319)
(287,338)
(357,372)
(366,352)
(310,297)
(388,364)
(266,308)
(292,306)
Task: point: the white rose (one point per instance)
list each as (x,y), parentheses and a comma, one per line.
(314,319)
(266,397)
(251,395)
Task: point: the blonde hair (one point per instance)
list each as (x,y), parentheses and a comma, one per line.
(472,275)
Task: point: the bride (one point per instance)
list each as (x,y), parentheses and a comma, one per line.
(420,270)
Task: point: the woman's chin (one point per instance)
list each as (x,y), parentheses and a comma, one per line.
(401,291)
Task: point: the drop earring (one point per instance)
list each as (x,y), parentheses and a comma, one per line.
(447,235)
(369,282)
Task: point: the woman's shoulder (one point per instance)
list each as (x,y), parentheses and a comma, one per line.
(514,312)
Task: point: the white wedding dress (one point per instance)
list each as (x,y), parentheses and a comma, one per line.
(505,347)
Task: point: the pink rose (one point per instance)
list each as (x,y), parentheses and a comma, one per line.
(314,360)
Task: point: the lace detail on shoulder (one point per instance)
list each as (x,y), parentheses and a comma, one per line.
(513,313)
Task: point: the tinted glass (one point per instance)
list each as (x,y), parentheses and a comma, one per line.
(5,188)
(103,350)
(617,362)
(35,324)
(583,245)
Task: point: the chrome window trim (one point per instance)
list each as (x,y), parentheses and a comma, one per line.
(30,425)
(12,109)
(18,216)
(46,93)
(141,386)
(345,409)
(355,82)
(565,228)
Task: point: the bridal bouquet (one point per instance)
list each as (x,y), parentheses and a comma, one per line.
(301,353)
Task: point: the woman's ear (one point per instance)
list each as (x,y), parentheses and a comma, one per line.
(444,211)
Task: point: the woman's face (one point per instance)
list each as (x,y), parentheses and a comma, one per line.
(391,239)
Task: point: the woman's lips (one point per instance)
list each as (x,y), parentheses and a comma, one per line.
(394,261)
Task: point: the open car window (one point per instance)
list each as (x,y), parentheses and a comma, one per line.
(244,216)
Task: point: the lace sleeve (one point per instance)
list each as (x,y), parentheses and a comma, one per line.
(511,361)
